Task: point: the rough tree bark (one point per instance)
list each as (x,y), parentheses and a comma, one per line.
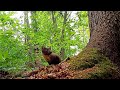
(105,33)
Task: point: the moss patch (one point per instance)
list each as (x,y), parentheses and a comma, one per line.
(86,59)
(105,70)
(91,64)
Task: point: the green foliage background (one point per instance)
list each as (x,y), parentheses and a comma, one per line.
(43,31)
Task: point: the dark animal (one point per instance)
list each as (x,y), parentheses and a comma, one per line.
(50,57)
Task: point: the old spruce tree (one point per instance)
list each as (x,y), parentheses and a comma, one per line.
(100,59)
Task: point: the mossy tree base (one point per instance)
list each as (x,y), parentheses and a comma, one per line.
(92,64)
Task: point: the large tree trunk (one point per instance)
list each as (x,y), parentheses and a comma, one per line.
(101,57)
(105,33)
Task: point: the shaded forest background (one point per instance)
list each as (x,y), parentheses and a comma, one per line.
(21,39)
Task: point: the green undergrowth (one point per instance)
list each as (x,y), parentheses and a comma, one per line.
(19,68)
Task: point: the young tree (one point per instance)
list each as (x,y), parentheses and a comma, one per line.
(62,52)
(26,22)
(35,30)
(34,21)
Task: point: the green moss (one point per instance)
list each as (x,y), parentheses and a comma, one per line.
(89,58)
(105,69)
(86,59)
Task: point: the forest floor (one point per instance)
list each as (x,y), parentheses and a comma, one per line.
(59,71)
